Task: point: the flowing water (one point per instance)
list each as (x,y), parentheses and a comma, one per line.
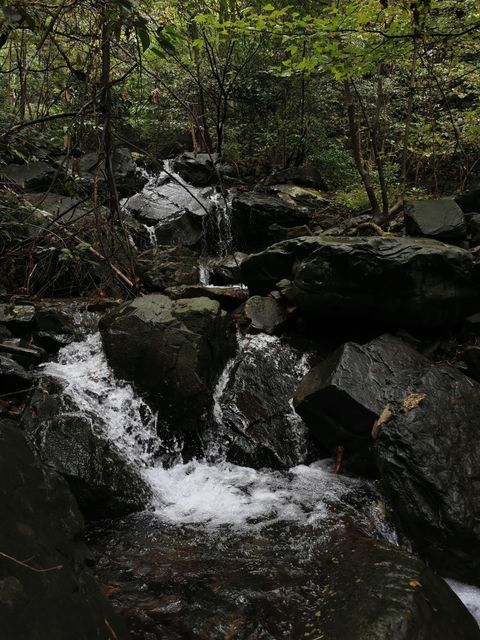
(224,548)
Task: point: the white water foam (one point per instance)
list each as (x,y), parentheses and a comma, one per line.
(200,492)
(469,595)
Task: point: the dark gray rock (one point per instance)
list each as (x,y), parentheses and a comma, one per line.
(471,357)
(373,281)
(254,213)
(438,219)
(303,176)
(163,266)
(18,318)
(53,319)
(473,225)
(197,170)
(66,208)
(13,377)
(277,233)
(173,350)
(225,270)
(127,178)
(423,419)
(265,314)
(41,527)
(429,460)
(469,201)
(375,591)
(72,444)
(341,398)
(258,427)
(33,176)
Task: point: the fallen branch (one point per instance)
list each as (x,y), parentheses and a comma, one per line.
(28,566)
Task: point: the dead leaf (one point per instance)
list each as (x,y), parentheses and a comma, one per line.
(382,419)
(412,400)
(415,584)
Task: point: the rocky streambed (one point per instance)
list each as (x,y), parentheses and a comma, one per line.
(198,426)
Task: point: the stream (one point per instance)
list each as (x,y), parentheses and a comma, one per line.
(224,550)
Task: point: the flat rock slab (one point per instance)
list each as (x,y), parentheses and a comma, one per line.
(438,219)
(373,281)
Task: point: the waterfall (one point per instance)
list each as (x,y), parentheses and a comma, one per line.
(171,194)
(214,493)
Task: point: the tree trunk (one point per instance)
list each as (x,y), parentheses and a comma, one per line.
(356,142)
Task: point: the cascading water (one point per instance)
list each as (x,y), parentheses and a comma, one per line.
(167,196)
(210,490)
(211,518)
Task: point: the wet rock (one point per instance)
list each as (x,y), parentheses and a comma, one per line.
(438,219)
(277,233)
(66,208)
(302,176)
(53,319)
(41,527)
(127,179)
(375,591)
(197,170)
(429,460)
(18,318)
(226,270)
(169,213)
(469,201)
(172,349)
(230,298)
(162,267)
(26,354)
(471,357)
(71,443)
(258,425)
(341,398)
(265,314)
(33,176)
(473,225)
(13,377)
(280,582)
(253,214)
(419,282)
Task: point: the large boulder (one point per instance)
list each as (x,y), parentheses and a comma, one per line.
(13,377)
(341,398)
(196,169)
(375,591)
(65,208)
(258,427)
(378,280)
(254,213)
(438,219)
(421,420)
(173,350)
(429,460)
(265,314)
(164,266)
(469,201)
(128,180)
(75,444)
(302,176)
(45,588)
(33,176)
(176,217)
(225,270)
